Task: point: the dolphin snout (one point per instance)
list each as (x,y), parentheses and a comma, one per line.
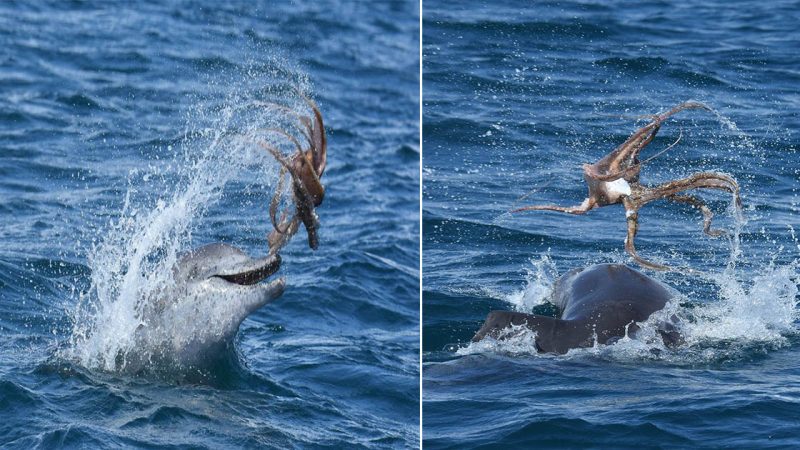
(253,271)
(259,295)
(275,288)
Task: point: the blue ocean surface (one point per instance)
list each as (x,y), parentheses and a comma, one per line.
(516,97)
(129,133)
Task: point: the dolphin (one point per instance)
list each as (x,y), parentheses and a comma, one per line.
(597,304)
(192,323)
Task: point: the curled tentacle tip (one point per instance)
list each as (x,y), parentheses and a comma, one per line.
(696,104)
(528,208)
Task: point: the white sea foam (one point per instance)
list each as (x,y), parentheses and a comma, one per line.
(515,340)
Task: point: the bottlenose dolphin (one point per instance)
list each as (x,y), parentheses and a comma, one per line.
(598,304)
(192,323)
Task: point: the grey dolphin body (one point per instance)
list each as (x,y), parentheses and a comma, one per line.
(596,304)
(193,322)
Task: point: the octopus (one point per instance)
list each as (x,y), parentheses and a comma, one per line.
(614,179)
(305,168)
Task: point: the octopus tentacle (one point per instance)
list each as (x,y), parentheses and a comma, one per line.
(700,180)
(299,125)
(623,159)
(288,136)
(279,226)
(305,202)
(583,208)
(707,214)
(632,218)
(622,164)
(320,146)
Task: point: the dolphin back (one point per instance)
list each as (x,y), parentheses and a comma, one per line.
(600,303)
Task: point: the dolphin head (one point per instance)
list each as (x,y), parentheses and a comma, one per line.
(220,272)
(215,287)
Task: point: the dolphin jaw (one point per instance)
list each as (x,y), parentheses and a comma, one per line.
(242,283)
(254,297)
(225,300)
(229,285)
(267,292)
(222,277)
(252,271)
(226,262)
(248,287)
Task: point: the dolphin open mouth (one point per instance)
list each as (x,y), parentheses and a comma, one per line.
(230,273)
(252,272)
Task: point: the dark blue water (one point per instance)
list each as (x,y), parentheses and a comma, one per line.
(516,97)
(117,126)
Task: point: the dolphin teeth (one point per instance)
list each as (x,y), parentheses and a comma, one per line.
(253,276)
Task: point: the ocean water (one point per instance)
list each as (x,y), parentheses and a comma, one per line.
(128,134)
(516,97)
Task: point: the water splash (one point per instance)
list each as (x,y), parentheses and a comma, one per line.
(516,340)
(760,313)
(745,142)
(132,264)
(763,309)
(538,285)
(502,218)
(744,312)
